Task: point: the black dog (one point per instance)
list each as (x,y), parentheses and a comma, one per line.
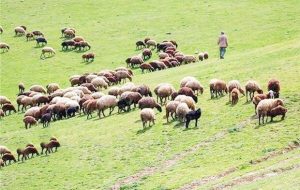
(191,116)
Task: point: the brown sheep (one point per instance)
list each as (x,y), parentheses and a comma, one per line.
(265,106)
(279,110)
(20,31)
(78,39)
(29,36)
(147,115)
(257,98)
(217,87)
(143,89)
(38,88)
(234,84)
(147,53)
(234,96)
(49,146)
(171,109)
(21,87)
(91,107)
(8,157)
(122,76)
(4,150)
(26,101)
(146,66)
(29,121)
(274,85)
(136,60)
(188,92)
(251,87)
(9,108)
(25,152)
(149,102)
(134,97)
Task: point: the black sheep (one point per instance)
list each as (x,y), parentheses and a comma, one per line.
(46,118)
(71,111)
(192,115)
(123,103)
(41,40)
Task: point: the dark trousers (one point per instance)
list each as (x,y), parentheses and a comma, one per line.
(222,52)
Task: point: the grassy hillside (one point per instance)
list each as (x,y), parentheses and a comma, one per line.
(264,40)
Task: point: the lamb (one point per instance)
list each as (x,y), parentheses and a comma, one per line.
(49,146)
(21,87)
(274,85)
(147,53)
(252,87)
(38,88)
(4,150)
(234,84)
(4,46)
(8,157)
(147,115)
(29,121)
(122,75)
(149,102)
(34,112)
(265,106)
(186,99)
(181,111)
(164,91)
(192,115)
(279,110)
(88,57)
(189,59)
(99,82)
(188,92)
(171,109)
(48,50)
(217,87)
(4,100)
(78,39)
(234,96)
(19,31)
(151,43)
(105,102)
(52,87)
(146,66)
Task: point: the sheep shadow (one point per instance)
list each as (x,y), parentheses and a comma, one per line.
(246,103)
(141,131)
(48,57)
(66,50)
(178,125)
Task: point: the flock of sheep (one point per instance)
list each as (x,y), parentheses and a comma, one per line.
(52,103)
(7,156)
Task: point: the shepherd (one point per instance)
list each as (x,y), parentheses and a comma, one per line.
(223,44)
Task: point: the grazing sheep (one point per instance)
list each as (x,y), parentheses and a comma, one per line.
(48,50)
(189,59)
(90,86)
(251,87)
(37,33)
(114,91)
(4,100)
(78,39)
(40,99)
(41,40)
(99,82)
(186,80)
(123,75)
(234,96)
(151,43)
(171,109)
(129,86)
(147,115)
(265,106)
(49,146)
(68,33)
(8,107)
(34,112)
(122,69)
(195,86)
(21,87)
(234,84)
(123,104)
(29,36)
(46,119)
(188,92)
(8,157)
(143,89)
(192,115)
(26,152)
(146,66)
(279,110)
(4,150)
(181,111)
(149,102)
(134,97)
(274,85)
(105,102)
(82,45)
(38,88)
(163,55)
(88,57)
(52,87)
(4,46)
(91,106)
(29,121)
(147,53)
(136,60)
(163,92)
(97,95)
(19,31)
(66,44)
(217,87)
(257,98)
(186,99)
(140,45)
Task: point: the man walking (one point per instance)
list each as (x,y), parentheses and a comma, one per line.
(222,42)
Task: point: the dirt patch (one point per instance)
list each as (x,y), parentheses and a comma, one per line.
(256,176)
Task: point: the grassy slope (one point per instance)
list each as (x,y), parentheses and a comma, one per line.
(264,43)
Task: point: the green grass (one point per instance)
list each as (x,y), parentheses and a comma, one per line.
(264,40)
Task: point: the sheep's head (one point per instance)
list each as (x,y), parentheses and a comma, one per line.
(279,102)
(260,91)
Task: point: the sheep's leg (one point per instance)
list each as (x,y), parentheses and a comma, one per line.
(196,124)
(247,95)
(187,123)
(103,113)
(259,119)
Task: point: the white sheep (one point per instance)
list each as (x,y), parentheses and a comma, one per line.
(105,102)
(181,111)
(185,80)
(186,99)
(265,106)
(114,91)
(147,115)
(4,100)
